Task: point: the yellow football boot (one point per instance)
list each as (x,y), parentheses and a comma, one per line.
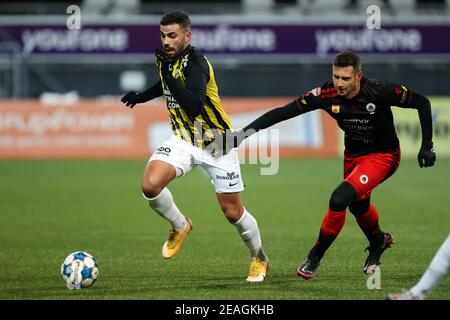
(258,270)
(173,244)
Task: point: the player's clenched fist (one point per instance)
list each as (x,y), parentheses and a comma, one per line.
(426,156)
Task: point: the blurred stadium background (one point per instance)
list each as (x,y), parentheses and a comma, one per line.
(60,94)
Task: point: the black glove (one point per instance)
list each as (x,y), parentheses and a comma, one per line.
(426,156)
(165,60)
(131,98)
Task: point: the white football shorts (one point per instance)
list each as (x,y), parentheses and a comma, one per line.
(224,171)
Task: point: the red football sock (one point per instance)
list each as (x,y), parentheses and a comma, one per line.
(368,222)
(333,223)
(331,226)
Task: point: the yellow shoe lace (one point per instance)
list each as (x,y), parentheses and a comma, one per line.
(174,237)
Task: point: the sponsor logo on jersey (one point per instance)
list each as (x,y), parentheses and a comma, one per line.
(335,108)
(357,121)
(171,102)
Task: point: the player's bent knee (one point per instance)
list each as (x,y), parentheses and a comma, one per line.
(338,202)
(151,189)
(342,196)
(232,213)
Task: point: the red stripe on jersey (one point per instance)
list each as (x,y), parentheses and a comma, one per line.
(329,95)
(329,90)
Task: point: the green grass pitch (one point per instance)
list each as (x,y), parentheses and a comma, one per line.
(49,209)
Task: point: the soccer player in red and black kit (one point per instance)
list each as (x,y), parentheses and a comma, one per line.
(362,109)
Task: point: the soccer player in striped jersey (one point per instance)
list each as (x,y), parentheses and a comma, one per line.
(362,109)
(197,119)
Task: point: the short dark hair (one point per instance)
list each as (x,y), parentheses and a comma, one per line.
(176,17)
(347,58)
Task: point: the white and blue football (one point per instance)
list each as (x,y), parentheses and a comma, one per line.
(79,270)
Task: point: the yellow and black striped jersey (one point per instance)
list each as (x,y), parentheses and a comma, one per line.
(193,72)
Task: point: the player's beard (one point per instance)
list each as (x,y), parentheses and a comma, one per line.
(348,92)
(175,52)
(171,51)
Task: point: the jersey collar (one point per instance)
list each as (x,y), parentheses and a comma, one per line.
(188,49)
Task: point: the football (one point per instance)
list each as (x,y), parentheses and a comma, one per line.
(79,270)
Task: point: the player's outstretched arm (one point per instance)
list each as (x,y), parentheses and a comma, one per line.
(133,97)
(274,116)
(234,139)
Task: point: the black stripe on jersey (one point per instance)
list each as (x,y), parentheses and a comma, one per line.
(185,125)
(195,125)
(208,120)
(190,117)
(175,125)
(217,114)
(172,124)
(212,128)
(201,133)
